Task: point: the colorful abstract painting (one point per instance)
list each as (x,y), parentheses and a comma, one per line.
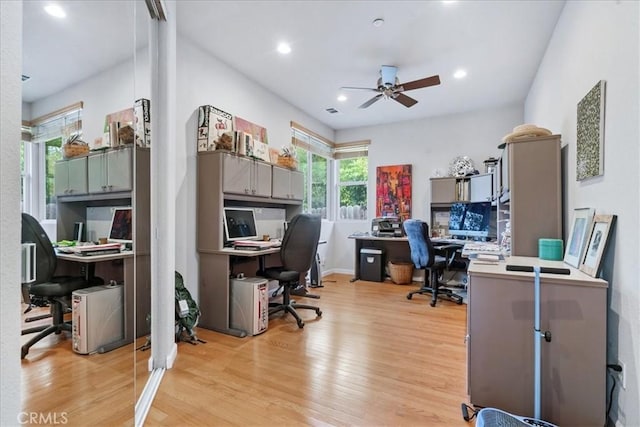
(590,136)
(393,191)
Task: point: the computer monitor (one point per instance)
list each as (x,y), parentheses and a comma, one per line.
(456,218)
(477,220)
(239,224)
(121,230)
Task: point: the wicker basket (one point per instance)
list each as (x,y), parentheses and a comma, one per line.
(74,150)
(401,272)
(287,162)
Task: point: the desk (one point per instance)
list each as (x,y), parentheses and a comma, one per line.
(122,268)
(395,248)
(215,271)
(500,353)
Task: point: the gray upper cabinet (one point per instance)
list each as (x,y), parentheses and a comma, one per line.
(111,171)
(287,184)
(71,177)
(481,188)
(242,175)
(443,190)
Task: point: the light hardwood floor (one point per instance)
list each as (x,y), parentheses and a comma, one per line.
(374,358)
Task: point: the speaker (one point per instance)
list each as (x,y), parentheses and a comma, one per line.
(79,232)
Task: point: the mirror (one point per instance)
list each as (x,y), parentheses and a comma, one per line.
(94,55)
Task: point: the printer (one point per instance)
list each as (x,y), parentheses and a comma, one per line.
(387,227)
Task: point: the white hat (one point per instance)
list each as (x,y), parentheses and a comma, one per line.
(524,131)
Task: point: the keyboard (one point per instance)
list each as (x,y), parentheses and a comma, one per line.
(482,247)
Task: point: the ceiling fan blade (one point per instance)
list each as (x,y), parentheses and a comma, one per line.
(417,84)
(358,88)
(388,75)
(405,100)
(371,101)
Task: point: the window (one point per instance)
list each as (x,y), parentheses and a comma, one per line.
(39,156)
(352,188)
(340,195)
(52,153)
(314,160)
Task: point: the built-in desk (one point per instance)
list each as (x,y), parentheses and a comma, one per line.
(500,341)
(396,249)
(215,271)
(120,267)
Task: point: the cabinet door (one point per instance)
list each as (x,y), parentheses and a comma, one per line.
(443,190)
(97,173)
(61,178)
(235,175)
(120,170)
(78,176)
(281,186)
(262,180)
(481,188)
(297,185)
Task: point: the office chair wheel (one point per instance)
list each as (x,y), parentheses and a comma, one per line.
(300,324)
(432,303)
(409,296)
(23,352)
(318,312)
(459,302)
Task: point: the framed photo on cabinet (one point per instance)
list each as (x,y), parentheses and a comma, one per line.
(597,244)
(580,227)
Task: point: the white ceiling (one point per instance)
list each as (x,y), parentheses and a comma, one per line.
(499,43)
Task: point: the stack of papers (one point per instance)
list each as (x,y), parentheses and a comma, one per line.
(86,250)
(249,245)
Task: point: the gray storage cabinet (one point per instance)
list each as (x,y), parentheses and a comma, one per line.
(371,264)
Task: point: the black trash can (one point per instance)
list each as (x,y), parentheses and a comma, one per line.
(371,265)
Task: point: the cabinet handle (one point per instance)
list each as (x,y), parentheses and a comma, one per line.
(104,188)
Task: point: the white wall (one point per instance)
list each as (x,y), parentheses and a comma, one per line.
(204,80)
(600,41)
(108,92)
(10,120)
(428,145)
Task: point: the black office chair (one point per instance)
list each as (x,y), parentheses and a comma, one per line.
(434,261)
(297,253)
(55,289)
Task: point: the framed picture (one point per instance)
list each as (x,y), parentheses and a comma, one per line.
(597,244)
(580,227)
(590,133)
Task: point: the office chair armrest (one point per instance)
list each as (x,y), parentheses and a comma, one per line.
(449,252)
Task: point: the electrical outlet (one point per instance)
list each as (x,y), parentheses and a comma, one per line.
(622,374)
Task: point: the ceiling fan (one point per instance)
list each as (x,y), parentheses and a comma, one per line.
(389,87)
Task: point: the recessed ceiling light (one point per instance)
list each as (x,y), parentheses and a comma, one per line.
(378,22)
(460,74)
(447,2)
(284,48)
(342,98)
(55,10)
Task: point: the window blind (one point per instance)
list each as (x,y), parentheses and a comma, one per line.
(311,141)
(64,123)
